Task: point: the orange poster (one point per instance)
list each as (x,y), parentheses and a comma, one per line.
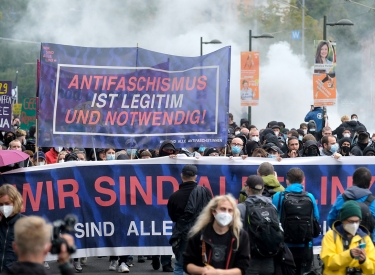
(249,82)
(324,86)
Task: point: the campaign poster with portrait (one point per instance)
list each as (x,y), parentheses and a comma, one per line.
(249,82)
(325,56)
(324,77)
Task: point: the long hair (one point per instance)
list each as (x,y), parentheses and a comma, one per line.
(14,196)
(318,59)
(206,217)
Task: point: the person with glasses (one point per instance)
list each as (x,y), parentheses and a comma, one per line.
(236,147)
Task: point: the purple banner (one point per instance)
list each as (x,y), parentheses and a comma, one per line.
(5,105)
(102,97)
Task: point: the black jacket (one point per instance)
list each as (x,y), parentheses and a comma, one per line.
(27,268)
(236,258)
(7,254)
(178,200)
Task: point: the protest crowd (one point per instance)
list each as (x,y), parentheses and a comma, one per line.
(271,228)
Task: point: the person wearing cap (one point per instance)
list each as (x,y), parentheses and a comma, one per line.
(276,130)
(217,244)
(39,159)
(359,192)
(146,154)
(360,146)
(274,152)
(348,246)
(183,209)
(212,152)
(254,188)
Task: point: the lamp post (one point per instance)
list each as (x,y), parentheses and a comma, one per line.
(215,41)
(342,22)
(265,35)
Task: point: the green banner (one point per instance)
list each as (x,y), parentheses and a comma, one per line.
(28,114)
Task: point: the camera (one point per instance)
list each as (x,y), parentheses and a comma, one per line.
(353,271)
(63,226)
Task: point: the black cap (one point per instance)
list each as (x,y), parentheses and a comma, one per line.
(275,126)
(255,182)
(211,150)
(189,170)
(361,129)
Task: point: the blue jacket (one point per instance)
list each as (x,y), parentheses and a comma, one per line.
(295,188)
(7,254)
(317,116)
(356,193)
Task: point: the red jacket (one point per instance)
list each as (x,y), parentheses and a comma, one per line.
(51,156)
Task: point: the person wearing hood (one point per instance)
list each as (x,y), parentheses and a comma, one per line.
(271,123)
(359,192)
(276,130)
(311,129)
(8,138)
(281,125)
(348,248)
(269,176)
(354,126)
(310,149)
(369,151)
(360,130)
(344,147)
(362,143)
(315,114)
(167,148)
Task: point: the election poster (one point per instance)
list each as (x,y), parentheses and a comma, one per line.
(5,105)
(121,205)
(104,97)
(249,81)
(324,77)
(28,114)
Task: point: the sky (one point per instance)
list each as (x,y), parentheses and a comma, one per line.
(175,28)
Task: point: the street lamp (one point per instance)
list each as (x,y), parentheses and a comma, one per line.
(265,35)
(215,41)
(342,22)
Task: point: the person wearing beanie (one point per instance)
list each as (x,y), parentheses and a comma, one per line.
(344,146)
(348,246)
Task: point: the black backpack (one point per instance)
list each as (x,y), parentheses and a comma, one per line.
(262,224)
(367,217)
(268,191)
(297,217)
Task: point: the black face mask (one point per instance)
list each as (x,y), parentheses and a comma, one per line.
(9,139)
(312,151)
(345,149)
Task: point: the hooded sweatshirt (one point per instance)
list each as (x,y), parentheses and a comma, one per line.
(272,182)
(354,193)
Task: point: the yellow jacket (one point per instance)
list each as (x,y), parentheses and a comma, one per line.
(336,260)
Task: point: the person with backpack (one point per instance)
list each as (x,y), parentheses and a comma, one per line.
(299,216)
(359,192)
(271,184)
(260,220)
(348,248)
(217,244)
(184,206)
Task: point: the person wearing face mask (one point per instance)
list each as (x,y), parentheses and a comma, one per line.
(330,147)
(348,248)
(275,153)
(8,138)
(236,146)
(52,154)
(362,143)
(110,154)
(311,129)
(310,149)
(39,159)
(61,157)
(253,141)
(303,127)
(10,207)
(276,130)
(344,147)
(217,244)
(359,192)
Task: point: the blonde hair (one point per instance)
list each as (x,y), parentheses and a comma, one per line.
(61,153)
(206,217)
(20,133)
(31,234)
(345,118)
(14,196)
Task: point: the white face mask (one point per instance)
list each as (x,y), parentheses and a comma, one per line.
(346,135)
(58,149)
(312,130)
(256,139)
(223,218)
(305,131)
(237,133)
(40,163)
(7,210)
(61,161)
(277,133)
(355,119)
(351,228)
